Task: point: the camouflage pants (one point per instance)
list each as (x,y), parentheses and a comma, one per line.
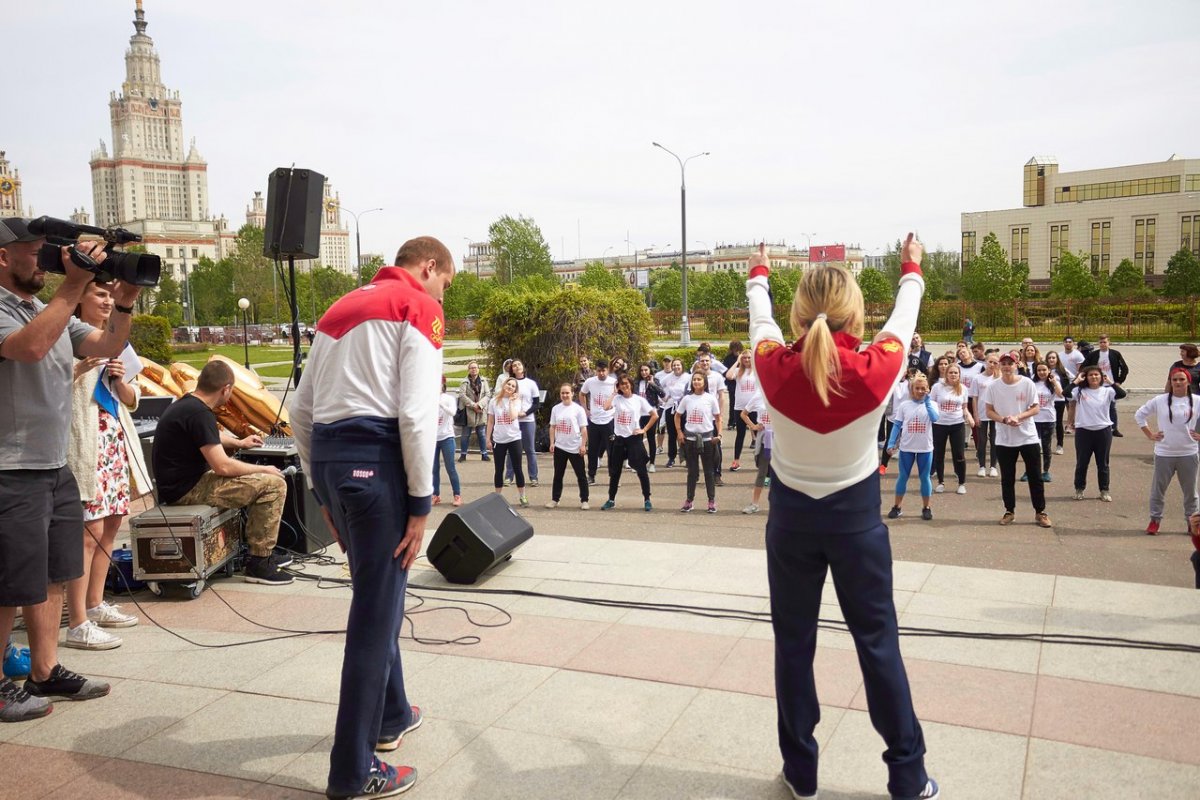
(262,496)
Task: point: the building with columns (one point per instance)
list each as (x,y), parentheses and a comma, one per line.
(11,203)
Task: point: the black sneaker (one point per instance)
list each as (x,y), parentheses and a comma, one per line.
(591,480)
(930,792)
(281,557)
(17,705)
(926,513)
(895,512)
(389,743)
(264,569)
(66,685)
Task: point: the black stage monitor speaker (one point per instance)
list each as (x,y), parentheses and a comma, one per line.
(294,205)
(303,527)
(476,537)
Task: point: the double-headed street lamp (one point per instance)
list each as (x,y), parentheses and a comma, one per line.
(685,331)
(357,240)
(244,304)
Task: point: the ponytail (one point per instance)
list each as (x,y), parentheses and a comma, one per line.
(820,359)
(827,299)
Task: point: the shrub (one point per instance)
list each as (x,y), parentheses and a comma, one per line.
(151,337)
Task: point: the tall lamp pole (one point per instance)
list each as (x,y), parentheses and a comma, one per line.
(685,331)
(357,239)
(244,304)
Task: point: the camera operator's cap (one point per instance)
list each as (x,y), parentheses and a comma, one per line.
(13,229)
(1012,356)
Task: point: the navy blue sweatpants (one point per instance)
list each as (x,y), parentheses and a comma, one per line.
(366,492)
(842,533)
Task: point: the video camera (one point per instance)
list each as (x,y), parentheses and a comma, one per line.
(139,269)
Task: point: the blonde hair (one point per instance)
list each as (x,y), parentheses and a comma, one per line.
(827,299)
(920,377)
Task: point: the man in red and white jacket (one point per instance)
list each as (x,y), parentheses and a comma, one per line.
(365,420)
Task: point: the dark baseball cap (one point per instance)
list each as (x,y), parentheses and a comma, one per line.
(13,229)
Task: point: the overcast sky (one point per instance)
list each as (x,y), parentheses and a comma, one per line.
(849,121)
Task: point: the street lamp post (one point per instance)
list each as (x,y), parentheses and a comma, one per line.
(685,331)
(244,304)
(357,239)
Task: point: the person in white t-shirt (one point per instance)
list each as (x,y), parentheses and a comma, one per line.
(675,385)
(698,424)
(1049,390)
(912,436)
(1072,361)
(1176,453)
(447,407)
(1094,395)
(1011,402)
(595,394)
(531,401)
(1055,363)
(628,439)
(504,435)
(900,394)
(985,429)
(746,388)
(757,417)
(568,443)
(716,384)
(954,417)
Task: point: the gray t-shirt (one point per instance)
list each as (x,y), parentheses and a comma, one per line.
(35,399)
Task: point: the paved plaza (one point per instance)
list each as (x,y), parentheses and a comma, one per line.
(545,698)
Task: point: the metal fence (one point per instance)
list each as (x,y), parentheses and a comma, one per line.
(1144,320)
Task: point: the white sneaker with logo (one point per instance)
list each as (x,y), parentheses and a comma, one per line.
(107,615)
(90,636)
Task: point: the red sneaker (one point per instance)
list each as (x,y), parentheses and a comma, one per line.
(883,469)
(1152,528)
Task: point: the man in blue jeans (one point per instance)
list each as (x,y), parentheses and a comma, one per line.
(365,422)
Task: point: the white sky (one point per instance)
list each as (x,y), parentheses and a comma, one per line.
(853,121)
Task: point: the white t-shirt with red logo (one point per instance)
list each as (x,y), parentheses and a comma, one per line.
(505,429)
(747,387)
(950,405)
(567,422)
(699,412)
(1046,412)
(759,404)
(447,408)
(598,391)
(917,434)
(1009,400)
(628,412)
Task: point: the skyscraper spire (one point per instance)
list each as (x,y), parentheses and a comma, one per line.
(139,21)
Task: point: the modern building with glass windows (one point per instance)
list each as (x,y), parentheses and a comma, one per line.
(1144,213)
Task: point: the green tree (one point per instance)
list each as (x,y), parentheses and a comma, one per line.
(783,283)
(1183,275)
(467,296)
(1072,278)
(532,283)
(666,289)
(1128,281)
(717,290)
(151,337)
(874,285)
(212,291)
(519,249)
(597,276)
(372,266)
(943,275)
(991,276)
(252,274)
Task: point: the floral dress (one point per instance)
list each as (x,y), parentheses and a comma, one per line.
(112,472)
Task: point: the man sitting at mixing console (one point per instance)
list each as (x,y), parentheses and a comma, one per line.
(191,466)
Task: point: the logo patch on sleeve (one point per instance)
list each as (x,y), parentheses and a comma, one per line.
(766,346)
(437,332)
(890,346)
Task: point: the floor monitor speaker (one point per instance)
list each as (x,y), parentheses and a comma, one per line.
(294,205)
(473,539)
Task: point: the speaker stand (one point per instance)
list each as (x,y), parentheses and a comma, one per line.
(295,322)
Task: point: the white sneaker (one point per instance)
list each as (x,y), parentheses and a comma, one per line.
(107,615)
(939,489)
(1079,495)
(1105,497)
(962,489)
(649,468)
(90,636)
(552,504)
(751,509)
(584,506)
(995,473)
(1058,451)
(982,472)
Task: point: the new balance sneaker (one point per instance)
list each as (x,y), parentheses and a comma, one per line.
(264,570)
(90,636)
(930,792)
(895,512)
(16,660)
(18,705)
(1151,530)
(386,744)
(962,489)
(107,615)
(751,509)
(66,685)
(383,780)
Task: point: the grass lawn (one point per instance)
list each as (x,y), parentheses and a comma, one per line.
(259,354)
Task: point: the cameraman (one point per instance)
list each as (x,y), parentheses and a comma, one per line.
(41,519)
